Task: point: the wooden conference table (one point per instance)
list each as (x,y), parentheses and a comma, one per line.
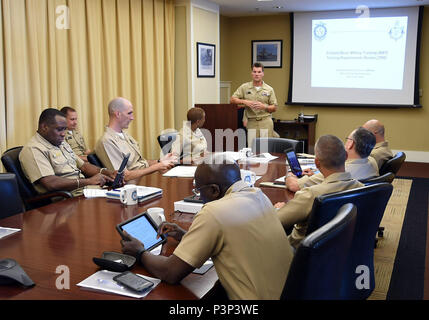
(71,232)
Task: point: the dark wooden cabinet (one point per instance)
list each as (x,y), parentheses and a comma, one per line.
(294,129)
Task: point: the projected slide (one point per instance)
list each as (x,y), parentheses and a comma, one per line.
(362,53)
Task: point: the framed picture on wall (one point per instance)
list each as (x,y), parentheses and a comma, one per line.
(267,52)
(206,60)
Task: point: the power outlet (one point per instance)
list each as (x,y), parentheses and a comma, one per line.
(420,93)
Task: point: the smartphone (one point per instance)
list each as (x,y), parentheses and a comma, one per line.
(133,281)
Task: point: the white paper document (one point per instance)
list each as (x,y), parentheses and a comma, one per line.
(260,158)
(94,193)
(4,232)
(181,171)
(103,281)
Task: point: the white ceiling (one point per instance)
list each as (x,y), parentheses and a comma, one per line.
(237,8)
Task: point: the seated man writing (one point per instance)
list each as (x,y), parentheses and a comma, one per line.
(50,163)
(330,160)
(115,143)
(237,227)
(358,146)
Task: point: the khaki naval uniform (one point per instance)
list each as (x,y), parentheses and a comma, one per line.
(75,139)
(257,119)
(246,241)
(359,169)
(191,143)
(381,153)
(39,158)
(295,212)
(112,147)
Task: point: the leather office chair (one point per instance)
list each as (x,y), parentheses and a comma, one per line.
(370,202)
(93,159)
(316,272)
(276,145)
(388,177)
(10,200)
(393,165)
(32,199)
(166,140)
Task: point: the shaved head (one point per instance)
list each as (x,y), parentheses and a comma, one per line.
(376,127)
(118,104)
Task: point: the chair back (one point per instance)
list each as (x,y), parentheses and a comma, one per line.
(393,165)
(10,160)
(166,140)
(275,145)
(10,200)
(370,202)
(93,159)
(317,269)
(387,177)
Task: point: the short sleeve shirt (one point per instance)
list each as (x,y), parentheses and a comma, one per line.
(381,153)
(246,241)
(75,139)
(192,143)
(265,94)
(39,158)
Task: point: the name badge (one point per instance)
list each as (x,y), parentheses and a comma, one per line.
(266,94)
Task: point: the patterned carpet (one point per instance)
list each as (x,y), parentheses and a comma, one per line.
(385,253)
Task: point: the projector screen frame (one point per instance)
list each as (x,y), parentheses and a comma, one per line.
(415,105)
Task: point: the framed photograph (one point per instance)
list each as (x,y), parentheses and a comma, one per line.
(206,60)
(267,52)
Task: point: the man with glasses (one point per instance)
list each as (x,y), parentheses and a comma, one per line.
(238,228)
(381,152)
(358,146)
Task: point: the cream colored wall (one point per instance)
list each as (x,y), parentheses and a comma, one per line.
(206,30)
(406,129)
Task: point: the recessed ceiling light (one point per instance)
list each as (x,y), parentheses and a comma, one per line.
(265,0)
(278,7)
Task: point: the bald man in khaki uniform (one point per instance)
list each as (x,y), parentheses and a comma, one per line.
(260,101)
(115,144)
(381,152)
(49,162)
(330,160)
(73,136)
(358,146)
(237,227)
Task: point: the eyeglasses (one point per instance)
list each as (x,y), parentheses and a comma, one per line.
(197,191)
(349,139)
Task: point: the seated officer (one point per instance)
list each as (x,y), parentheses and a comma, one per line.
(237,227)
(73,137)
(115,143)
(360,166)
(49,162)
(381,152)
(190,142)
(330,160)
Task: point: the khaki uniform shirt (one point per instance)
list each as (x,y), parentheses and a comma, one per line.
(192,143)
(359,169)
(39,158)
(76,142)
(296,211)
(111,148)
(265,95)
(381,153)
(246,241)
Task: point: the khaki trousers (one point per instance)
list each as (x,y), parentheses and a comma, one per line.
(259,129)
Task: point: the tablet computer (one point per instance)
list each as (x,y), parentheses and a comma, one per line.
(144,229)
(120,175)
(293,162)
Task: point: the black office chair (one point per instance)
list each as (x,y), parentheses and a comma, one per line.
(10,200)
(93,159)
(32,199)
(166,140)
(393,165)
(317,269)
(275,145)
(387,177)
(370,202)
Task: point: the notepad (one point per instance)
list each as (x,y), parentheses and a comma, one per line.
(181,171)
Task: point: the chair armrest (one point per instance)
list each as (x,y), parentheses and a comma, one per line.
(49,195)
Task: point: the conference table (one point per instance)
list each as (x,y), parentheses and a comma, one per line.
(69,233)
